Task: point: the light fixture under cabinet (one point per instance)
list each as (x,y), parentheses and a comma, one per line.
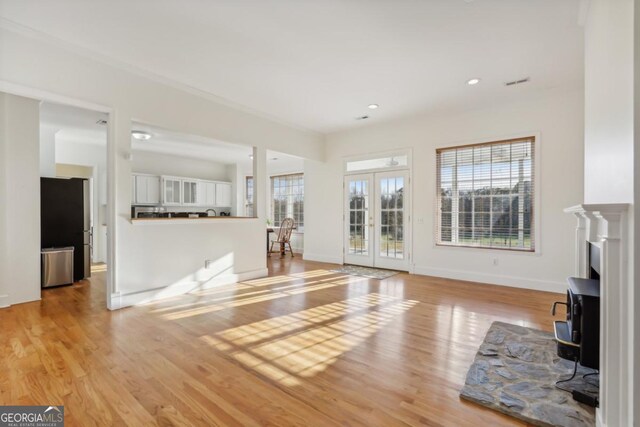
(141,135)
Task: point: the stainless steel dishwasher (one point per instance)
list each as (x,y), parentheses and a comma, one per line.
(57,266)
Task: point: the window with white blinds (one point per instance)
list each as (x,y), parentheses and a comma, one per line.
(486,195)
(287,199)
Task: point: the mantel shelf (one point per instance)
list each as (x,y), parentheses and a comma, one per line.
(598,207)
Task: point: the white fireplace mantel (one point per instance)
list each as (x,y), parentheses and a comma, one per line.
(605,225)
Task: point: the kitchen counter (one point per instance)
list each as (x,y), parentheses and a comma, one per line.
(202,219)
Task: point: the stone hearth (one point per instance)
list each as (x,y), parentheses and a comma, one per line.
(515,371)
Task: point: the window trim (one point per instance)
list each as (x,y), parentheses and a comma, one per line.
(297,230)
(537,196)
(389,153)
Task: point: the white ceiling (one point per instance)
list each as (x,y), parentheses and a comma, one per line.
(318,64)
(74,124)
(80,125)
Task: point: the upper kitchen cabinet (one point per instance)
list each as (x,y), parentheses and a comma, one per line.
(223,194)
(190,192)
(171,191)
(146,190)
(207,193)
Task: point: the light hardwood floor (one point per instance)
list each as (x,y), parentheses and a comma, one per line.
(304,346)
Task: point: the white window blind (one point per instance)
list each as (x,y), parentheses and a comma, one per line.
(486,195)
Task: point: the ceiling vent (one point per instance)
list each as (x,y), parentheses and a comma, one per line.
(517,82)
(101,122)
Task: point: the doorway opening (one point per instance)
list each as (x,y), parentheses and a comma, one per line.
(377,216)
(73,192)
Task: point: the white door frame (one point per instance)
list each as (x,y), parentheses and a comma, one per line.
(373,259)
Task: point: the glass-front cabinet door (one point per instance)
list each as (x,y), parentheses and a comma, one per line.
(189,192)
(171,190)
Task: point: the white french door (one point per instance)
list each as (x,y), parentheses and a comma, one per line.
(376,212)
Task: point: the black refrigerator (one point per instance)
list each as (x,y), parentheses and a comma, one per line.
(65,219)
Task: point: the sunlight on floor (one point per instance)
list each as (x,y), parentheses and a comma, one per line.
(303,344)
(236,302)
(98,268)
(206,304)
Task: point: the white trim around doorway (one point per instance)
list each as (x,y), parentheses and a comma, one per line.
(42,95)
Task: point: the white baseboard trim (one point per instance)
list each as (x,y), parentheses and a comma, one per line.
(322,258)
(494,279)
(4,301)
(121,300)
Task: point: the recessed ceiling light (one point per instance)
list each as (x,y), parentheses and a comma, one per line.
(362,117)
(473,82)
(141,135)
(251,156)
(274,158)
(373,106)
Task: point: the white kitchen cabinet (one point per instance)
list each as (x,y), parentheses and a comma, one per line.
(207,193)
(190,192)
(171,191)
(223,194)
(146,190)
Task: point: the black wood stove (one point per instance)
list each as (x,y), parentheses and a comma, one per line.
(578,336)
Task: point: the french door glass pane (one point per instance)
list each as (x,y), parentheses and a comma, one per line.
(358,217)
(391,217)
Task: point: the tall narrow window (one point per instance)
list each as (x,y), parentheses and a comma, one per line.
(248,191)
(287,199)
(486,195)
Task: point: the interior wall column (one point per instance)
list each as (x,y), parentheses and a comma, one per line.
(4,291)
(118,193)
(20,203)
(259,183)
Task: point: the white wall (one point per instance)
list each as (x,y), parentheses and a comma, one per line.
(610,151)
(95,156)
(20,274)
(48,151)
(609,102)
(166,164)
(557,116)
(152,256)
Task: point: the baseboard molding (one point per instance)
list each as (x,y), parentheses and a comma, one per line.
(4,301)
(322,258)
(493,279)
(122,300)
